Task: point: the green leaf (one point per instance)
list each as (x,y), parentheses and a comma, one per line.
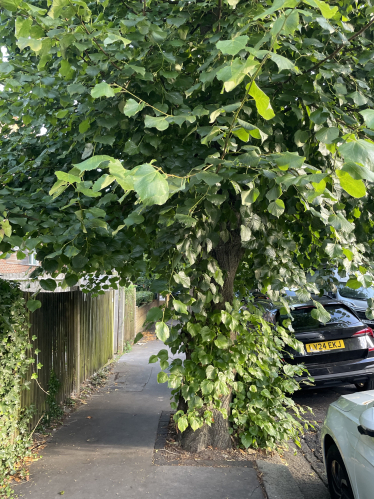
(278,4)
(71,280)
(162,331)
(138,337)
(102,182)
(131,107)
(249,197)
(79,261)
(221,342)
(133,219)
(185,220)
(160,122)
(154,315)
(182,278)
(124,177)
(62,113)
(180,307)
(150,185)
(262,101)
(207,387)
(339,222)
(11,5)
(333,250)
(232,47)
(353,283)
(112,38)
(34,44)
(6,68)
(245,233)
(274,193)
(246,439)
(233,74)
(357,171)
(102,90)
(67,177)
(355,188)
(104,139)
(359,151)
(327,135)
(209,178)
(319,313)
(327,11)
(162,377)
(276,208)
(291,23)
(57,8)
(368,115)
(301,137)
(242,134)
(153,359)
(71,251)
(48,284)
(32,305)
(182,423)
(319,116)
(282,62)
(93,163)
(84,126)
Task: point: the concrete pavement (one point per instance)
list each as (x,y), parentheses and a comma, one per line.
(105,449)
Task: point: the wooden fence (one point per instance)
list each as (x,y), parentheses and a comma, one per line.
(75,337)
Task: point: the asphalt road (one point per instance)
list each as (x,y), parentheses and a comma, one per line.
(306,464)
(319,400)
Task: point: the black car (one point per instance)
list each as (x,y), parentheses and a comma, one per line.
(341,351)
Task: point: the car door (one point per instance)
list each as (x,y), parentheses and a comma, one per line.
(364,467)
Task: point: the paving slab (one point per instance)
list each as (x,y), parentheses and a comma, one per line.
(105,449)
(278,481)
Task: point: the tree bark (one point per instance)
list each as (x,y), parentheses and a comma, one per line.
(228,255)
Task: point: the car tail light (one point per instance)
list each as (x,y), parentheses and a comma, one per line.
(366,332)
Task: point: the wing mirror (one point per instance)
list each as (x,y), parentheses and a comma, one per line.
(367,422)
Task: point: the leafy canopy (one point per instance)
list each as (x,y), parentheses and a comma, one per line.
(180,132)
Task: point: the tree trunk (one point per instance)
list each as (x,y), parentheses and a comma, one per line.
(228,256)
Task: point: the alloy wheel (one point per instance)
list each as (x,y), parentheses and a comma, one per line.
(339,483)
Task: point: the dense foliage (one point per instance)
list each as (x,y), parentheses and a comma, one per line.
(206,137)
(14,365)
(143,297)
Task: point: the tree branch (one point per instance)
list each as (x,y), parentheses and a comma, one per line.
(341,47)
(219,14)
(96,42)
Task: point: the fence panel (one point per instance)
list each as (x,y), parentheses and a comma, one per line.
(74,333)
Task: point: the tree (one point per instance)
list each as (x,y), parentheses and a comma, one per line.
(225,145)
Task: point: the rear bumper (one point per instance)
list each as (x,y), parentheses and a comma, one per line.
(340,373)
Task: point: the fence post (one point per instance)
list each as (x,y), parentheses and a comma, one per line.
(115,320)
(121,313)
(77,342)
(130,314)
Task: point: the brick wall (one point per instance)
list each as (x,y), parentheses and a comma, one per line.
(141,314)
(12,265)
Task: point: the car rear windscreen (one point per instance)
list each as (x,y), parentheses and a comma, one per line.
(303,320)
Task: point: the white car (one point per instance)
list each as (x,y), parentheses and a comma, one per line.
(348,446)
(355,298)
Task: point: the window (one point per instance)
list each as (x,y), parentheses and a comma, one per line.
(32,259)
(303,320)
(356,294)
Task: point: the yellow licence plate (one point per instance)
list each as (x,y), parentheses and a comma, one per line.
(324,345)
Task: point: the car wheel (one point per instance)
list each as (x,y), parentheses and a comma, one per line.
(339,485)
(368,385)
